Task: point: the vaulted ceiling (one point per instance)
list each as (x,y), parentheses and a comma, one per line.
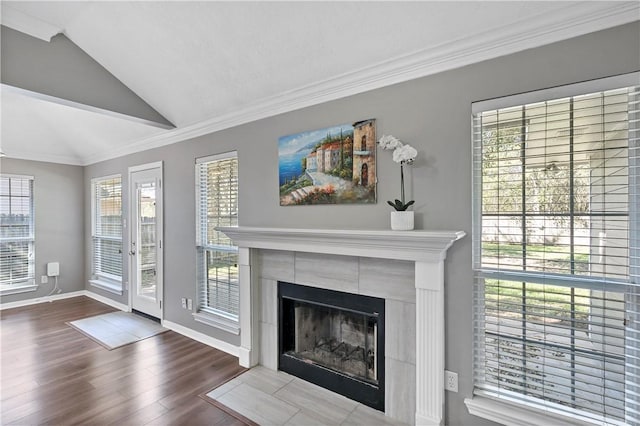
(190,68)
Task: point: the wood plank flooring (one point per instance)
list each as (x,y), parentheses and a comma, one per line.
(53,374)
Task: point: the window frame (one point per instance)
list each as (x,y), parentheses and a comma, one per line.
(103,280)
(211,316)
(502,408)
(29,284)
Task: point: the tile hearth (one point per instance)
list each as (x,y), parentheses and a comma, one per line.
(270,397)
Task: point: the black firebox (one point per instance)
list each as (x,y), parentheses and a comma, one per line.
(333,339)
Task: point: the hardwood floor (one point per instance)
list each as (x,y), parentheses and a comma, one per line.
(53,374)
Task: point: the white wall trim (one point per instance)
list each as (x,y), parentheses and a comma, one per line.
(107,301)
(532,32)
(202,338)
(37,300)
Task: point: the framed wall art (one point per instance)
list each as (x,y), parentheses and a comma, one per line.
(334,165)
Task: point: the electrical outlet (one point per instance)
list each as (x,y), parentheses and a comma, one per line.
(44,279)
(184,303)
(451,381)
(189,304)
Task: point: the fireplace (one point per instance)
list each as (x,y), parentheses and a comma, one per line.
(333,339)
(406,269)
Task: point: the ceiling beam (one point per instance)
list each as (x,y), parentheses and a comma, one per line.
(60,70)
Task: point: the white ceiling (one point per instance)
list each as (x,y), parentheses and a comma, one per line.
(211,65)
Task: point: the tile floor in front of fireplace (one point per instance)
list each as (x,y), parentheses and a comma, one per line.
(275,398)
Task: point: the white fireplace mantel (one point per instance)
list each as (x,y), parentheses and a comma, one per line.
(427,249)
(400,245)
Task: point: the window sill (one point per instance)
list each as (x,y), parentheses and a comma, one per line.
(17,288)
(107,286)
(218,321)
(518,414)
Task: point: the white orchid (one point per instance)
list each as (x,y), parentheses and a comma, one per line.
(388,142)
(405,154)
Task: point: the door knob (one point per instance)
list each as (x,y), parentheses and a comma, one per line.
(132,252)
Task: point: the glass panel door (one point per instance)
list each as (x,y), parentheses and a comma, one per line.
(145,189)
(146,259)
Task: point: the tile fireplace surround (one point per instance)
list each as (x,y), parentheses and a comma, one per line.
(406,268)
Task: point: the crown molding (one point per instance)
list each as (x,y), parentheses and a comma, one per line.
(512,37)
(17,154)
(27,24)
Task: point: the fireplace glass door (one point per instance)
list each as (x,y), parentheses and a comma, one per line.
(337,339)
(333,339)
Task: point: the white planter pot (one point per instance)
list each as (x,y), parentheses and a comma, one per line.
(402,221)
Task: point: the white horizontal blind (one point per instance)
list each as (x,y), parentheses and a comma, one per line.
(217,205)
(16,230)
(107,229)
(554,215)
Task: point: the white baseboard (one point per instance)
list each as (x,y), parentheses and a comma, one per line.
(107,301)
(202,338)
(44,299)
(244,355)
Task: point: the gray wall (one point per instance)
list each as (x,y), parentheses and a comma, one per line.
(433,114)
(58,198)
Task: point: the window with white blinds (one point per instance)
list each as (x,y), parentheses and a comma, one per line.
(107,230)
(556,222)
(217,205)
(16,231)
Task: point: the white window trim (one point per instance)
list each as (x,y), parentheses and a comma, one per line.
(501,409)
(566,91)
(211,317)
(519,414)
(29,284)
(108,282)
(217,157)
(220,321)
(112,286)
(14,176)
(111,283)
(25,287)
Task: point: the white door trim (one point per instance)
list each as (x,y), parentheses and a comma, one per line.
(141,167)
(159,235)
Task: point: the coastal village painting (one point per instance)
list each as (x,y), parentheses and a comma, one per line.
(335,165)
